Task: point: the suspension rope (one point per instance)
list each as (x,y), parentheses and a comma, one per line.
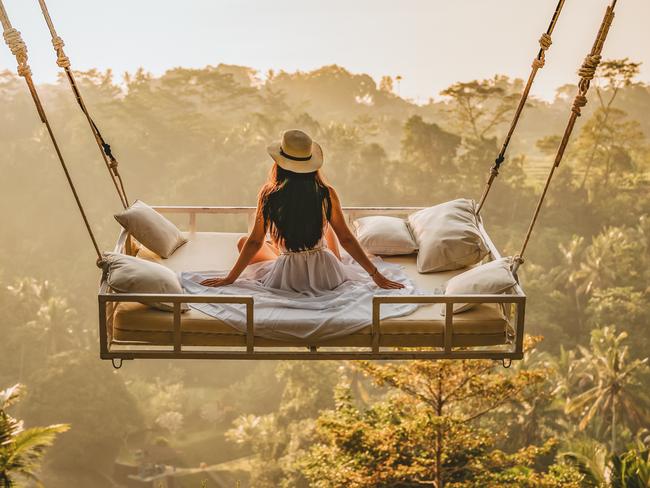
(63,61)
(19,49)
(586,72)
(538,63)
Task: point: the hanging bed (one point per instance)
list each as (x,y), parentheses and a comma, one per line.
(129,329)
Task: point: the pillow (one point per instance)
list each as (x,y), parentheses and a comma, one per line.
(151,229)
(384,235)
(487,279)
(448,236)
(127,274)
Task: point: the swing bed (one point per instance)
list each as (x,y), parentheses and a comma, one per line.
(129,329)
(126,324)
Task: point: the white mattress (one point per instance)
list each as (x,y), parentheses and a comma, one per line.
(133,322)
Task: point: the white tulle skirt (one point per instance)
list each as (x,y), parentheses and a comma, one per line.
(304,295)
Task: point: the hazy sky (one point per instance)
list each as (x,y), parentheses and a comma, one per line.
(431,43)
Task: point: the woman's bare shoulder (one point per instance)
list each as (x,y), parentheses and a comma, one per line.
(332,191)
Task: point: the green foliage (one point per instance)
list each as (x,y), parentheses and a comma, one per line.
(433,427)
(479,107)
(631,469)
(78,389)
(278,439)
(611,384)
(22,450)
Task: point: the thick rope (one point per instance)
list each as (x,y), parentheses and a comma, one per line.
(19,50)
(545,43)
(63,61)
(586,72)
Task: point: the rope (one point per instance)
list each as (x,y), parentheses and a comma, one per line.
(63,61)
(19,50)
(545,42)
(586,72)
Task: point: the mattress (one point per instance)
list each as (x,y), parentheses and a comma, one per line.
(484,325)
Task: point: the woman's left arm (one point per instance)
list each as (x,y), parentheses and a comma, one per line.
(253,244)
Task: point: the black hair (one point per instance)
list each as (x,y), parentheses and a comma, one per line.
(295,207)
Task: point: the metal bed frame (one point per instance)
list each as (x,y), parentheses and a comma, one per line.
(117,351)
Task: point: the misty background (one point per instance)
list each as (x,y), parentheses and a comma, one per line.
(197,135)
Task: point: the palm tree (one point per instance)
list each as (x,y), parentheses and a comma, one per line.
(632,468)
(596,270)
(21,450)
(567,274)
(614,386)
(591,459)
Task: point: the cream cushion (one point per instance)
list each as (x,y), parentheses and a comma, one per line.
(151,229)
(128,274)
(385,235)
(487,279)
(448,236)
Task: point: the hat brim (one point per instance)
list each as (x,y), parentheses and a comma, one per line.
(312,164)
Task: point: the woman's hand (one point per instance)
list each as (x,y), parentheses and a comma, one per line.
(382,282)
(215,282)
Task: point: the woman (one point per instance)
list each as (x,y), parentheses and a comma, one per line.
(304,218)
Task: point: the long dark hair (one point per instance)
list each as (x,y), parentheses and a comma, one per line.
(295,207)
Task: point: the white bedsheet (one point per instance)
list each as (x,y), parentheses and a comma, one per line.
(282,314)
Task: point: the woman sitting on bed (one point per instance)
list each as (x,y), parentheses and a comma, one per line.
(304,218)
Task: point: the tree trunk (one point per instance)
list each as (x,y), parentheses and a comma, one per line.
(439,459)
(439,482)
(613,424)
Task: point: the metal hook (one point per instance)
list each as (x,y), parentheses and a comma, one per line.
(117,363)
(506,361)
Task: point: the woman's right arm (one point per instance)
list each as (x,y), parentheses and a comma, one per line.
(253,244)
(351,245)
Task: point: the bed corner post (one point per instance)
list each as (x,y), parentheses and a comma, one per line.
(250,326)
(449,323)
(103,335)
(375,327)
(519,324)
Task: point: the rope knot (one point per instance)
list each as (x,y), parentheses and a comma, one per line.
(545,41)
(62,60)
(539,62)
(15,42)
(107,150)
(497,162)
(588,69)
(19,49)
(58,43)
(515,263)
(579,102)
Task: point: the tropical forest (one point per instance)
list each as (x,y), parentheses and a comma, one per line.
(575,412)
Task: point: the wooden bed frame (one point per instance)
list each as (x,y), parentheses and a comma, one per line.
(118,351)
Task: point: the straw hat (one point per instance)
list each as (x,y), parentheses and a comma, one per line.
(296,152)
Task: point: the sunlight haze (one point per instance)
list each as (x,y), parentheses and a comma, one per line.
(431,44)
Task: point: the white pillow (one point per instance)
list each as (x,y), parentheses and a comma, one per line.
(128,274)
(448,236)
(490,278)
(384,235)
(151,229)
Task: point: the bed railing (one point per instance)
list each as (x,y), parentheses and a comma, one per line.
(512,304)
